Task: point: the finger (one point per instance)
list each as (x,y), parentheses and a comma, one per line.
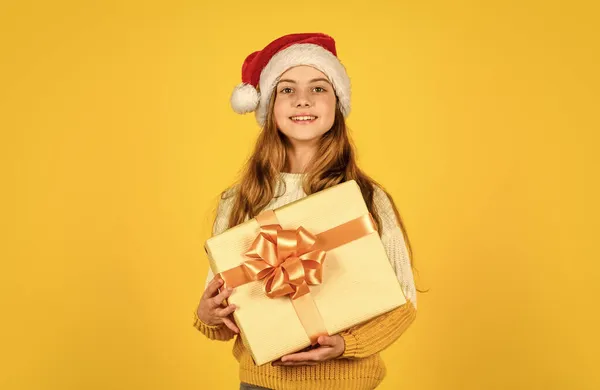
(225,312)
(212,287)
(278,362)
(218,300)
(305,363)
(230,325)
(310,356)
(327,341)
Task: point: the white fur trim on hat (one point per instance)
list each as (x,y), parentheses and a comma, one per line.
(303,54)
(244,98)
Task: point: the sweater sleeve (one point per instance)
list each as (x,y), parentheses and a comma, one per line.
(217,332)
(214,332)
(377,334)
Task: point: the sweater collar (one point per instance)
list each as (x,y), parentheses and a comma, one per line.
(291,181)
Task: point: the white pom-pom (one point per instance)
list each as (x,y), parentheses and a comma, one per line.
(244,98)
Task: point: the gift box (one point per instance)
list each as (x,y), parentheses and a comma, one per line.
(314,266)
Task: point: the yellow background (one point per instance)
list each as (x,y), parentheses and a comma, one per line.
(481,118)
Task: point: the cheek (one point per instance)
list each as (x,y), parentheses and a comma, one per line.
(279,112)
(329,105)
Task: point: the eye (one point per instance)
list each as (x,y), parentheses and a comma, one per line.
(286,90)
(319,89)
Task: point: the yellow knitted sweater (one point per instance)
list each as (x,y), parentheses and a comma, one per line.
(360,366)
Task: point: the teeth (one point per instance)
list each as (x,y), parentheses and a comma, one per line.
(303,118)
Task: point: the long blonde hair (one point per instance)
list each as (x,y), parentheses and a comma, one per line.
(334,163)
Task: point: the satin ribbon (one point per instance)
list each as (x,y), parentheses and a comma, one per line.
(291,260)
(285,260)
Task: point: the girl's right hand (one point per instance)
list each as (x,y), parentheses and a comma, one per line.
(211,310)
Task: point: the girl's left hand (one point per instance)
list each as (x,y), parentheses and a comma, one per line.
(330,347)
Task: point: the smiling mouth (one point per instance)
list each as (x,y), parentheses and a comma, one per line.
(303,118)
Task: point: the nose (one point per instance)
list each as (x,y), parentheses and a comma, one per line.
(302,100)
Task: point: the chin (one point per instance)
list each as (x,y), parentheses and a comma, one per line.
(304,137)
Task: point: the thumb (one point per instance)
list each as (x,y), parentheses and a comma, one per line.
(326,340)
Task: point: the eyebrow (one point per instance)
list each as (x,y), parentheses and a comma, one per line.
(310,82)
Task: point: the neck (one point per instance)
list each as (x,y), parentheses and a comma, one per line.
(298,158)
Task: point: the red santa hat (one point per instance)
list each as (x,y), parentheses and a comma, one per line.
(262,69)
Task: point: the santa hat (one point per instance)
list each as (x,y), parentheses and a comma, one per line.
(263,68)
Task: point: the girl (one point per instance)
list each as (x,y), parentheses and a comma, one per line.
(301,94)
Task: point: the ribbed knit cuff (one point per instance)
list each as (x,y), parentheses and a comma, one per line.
(213,332)
(351,345)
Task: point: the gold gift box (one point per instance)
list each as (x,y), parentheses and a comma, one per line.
(358,282)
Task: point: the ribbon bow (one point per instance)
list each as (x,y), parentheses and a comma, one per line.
(287,259)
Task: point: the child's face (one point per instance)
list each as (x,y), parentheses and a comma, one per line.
(304,91)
